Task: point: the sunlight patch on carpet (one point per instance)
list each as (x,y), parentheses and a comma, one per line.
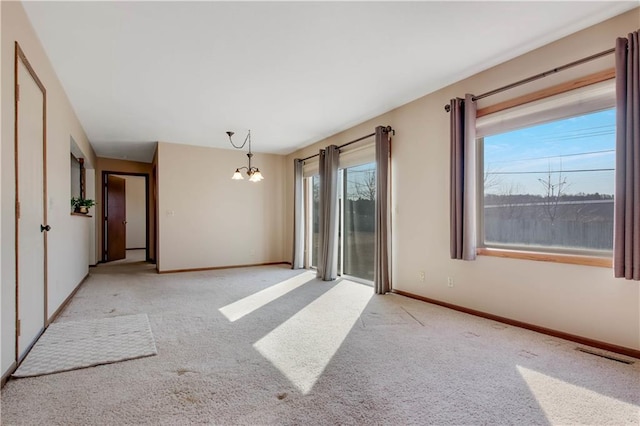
(72,345)
(302,347)
(557,398)
(242,307)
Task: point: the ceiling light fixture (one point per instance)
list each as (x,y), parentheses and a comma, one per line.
(253,172)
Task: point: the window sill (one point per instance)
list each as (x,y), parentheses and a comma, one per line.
(80,214)
(602,262)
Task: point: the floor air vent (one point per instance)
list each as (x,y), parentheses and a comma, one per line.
(603,355)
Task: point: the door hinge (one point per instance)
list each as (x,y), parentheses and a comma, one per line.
(17,209)
(18,327)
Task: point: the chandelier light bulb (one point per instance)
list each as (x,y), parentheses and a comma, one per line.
(257,175)
(237,175)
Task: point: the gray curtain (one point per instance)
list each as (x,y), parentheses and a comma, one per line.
(381,274)
(626,241)
(328,235)
(298,209)
(463,179)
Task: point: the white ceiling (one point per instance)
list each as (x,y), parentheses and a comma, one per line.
(292,72)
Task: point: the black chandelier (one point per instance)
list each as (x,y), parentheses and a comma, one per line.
(253,172)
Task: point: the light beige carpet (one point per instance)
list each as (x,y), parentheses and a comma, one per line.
(272,346)
(70,345)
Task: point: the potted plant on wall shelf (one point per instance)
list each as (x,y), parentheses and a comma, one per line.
(81,205)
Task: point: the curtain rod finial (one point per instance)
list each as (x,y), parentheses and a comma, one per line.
(447,107)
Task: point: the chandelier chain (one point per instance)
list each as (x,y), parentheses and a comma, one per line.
(248,138)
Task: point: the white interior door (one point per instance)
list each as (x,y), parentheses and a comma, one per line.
(31,240)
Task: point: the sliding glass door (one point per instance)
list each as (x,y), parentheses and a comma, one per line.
(358,221)
(313,220)
(356,204)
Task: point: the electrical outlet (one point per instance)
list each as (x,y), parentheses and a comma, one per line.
(422,276)
(449,281)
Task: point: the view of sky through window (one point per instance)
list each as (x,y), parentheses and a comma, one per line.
(579,151)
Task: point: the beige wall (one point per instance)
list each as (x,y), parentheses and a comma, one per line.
(581,300)
(136,212)
(124,167)
(69,239)
(208,220)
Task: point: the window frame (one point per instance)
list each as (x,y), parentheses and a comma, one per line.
(81,176)
(548,254)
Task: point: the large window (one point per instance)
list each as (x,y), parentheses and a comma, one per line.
(549,186)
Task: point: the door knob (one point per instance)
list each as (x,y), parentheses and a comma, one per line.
(45,228)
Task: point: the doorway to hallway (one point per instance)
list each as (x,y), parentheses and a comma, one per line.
(125,213)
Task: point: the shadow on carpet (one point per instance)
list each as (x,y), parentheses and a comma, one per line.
(66,346)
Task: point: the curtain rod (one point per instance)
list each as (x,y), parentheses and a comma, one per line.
(539,76)
(387,130)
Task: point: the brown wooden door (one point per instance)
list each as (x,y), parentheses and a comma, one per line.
(116,219)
